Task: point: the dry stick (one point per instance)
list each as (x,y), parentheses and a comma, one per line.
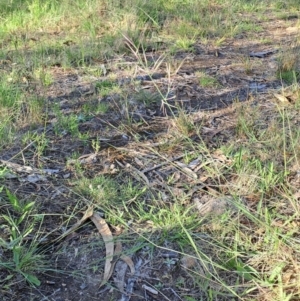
(140,173)
(159,291)
(27,169)
(138,176)
(167,162)
(170,161)
(162,164)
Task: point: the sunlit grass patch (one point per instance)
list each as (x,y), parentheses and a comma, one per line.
(99,108)
(147,97)
(205,80)
(107,87)
(10,94)
(17,109)
(289,63)
(44,77)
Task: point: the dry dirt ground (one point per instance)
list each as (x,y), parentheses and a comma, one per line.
(159,273)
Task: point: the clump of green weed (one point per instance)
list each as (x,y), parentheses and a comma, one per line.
(184,124)
(289,77)
(66,124)
(206,81)
(289,63)
(16,109)
(39,142)
(21,255)
(106,87)
(99,108)
(147,97)
(44,76)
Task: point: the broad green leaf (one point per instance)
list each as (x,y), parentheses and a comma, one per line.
(28,206)
(276,271)
(16,253)
(32,279)
(13,200)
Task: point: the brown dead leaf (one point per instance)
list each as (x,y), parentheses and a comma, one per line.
(105,232)
(193,164)
(210,131)
(212,205)
(183,167)
(150,289)
(129,262)
(125,258)
(122,267)
(119,280)
(84,159)
(283,99)
(188,262)
(218,155)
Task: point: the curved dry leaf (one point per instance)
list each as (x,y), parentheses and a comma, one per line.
(188,262)
(150,289)
(119,280)
(130,283)
(122,267)
(215,206)
(129,262)
(33,178)
(218,155)
(193,164)
(262,54)
(105,232)
(183,167)
(281,98)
